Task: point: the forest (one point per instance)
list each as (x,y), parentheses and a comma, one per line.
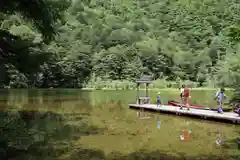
(80,43)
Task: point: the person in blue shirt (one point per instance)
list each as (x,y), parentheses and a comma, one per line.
(159,102)
(220,97)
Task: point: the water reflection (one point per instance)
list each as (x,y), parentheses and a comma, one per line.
(73,124)
(29,134)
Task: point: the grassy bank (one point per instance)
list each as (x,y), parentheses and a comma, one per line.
(159,84)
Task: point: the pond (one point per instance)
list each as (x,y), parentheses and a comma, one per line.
(76,124)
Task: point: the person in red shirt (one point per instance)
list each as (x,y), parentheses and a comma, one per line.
(185,96)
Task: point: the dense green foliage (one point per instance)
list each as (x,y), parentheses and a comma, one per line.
(84,43)
(104,41)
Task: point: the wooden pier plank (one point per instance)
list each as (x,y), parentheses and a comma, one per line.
(194,112)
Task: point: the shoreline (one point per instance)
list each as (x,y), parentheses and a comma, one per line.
(120,89)
(154,89)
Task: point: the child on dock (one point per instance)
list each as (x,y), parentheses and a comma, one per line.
(159,102)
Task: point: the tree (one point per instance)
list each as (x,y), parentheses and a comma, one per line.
(42,13)
(21,55)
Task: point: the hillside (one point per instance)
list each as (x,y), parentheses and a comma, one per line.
(121,40)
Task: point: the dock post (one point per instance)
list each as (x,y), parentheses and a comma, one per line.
(147,89)
(147,96)
(138,93)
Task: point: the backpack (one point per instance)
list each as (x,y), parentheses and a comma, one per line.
(186,92)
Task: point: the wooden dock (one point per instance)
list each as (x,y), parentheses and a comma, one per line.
(206,114)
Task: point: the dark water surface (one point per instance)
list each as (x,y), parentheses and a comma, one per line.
(76,124)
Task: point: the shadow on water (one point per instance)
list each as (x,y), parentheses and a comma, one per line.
(138,155)
(40,135)
(45,135)
(36,135)
(232,144)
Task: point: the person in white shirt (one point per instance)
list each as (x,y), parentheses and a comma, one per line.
(181,95)
(220,97)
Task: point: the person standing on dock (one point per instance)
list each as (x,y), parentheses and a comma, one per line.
(237,108)
(181,96)
(185,96)
(159,102)
(220,97)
